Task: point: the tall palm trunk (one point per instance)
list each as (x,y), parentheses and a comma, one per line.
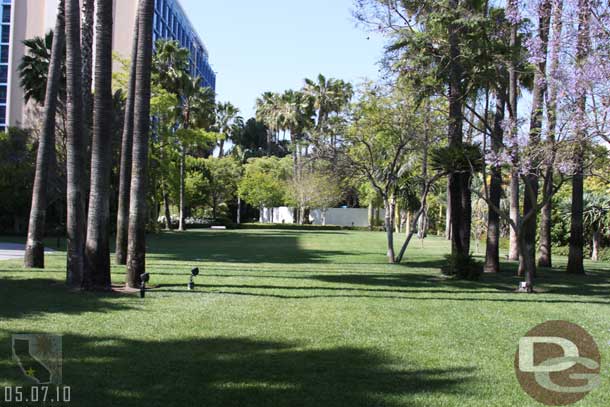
(76,218)
(122,228)
(576,256)
(136,248)
(457,181)
(87,15)
(492,254)
(97,249)
(513,250)
(34,251)
(530,198)
(545,254)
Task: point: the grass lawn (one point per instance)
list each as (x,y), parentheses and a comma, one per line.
(290,318)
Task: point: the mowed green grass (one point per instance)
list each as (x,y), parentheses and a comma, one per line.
(290,318)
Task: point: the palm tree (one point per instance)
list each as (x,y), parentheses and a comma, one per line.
(34,67)
(268,111)
(170,63)
(97,249)
(75,224)
(136,248)
(197,107)
(329,96)
(228,122)
(34,251)
(125,171)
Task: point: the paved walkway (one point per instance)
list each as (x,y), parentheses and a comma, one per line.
(12,251)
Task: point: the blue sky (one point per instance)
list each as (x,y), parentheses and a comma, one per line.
(272,45)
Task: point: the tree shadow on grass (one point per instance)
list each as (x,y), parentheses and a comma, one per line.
(253,247)
(245,372)
(25,297)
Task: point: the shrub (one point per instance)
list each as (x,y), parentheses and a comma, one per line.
(462,267)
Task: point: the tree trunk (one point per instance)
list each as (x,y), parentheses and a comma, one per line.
(576,256)
(136,248)
(238,210)
(125,172)
(389,227)
(447,215)
(76,219)
(530,198)
(457,181)
(513,74)
(182,222)
(87,16)
(221,149)
(97,247)
(34,250)
(492,253)
(371,216)
(545,258)
(168,215)
(528,261)
(597,243)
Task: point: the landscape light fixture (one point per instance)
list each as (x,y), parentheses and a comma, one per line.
(144,278)
(194,273)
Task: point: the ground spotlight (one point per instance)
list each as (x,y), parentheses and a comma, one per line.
(194,273)
(144,278)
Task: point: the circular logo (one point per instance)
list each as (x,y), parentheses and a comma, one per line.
(558,363)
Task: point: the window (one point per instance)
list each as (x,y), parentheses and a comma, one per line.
(6,33)
(3,94)
(6,14)
(3,73)
(2,114)
(4,54)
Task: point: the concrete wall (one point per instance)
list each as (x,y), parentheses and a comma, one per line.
(335,216)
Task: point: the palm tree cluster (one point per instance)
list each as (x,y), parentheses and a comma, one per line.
(87,112)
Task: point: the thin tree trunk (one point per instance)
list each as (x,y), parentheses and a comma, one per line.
(238,210)
(182,221)
(97,247)
(389,220)
(447,215)
(221,149)
(545,258)
(530,198)
(34,251)
(576,256)
(126,147)
(76,218)
(371,216)
(492,253)
(168,215)
(513,251)
(136,248)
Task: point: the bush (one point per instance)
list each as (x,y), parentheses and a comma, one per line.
(462,267)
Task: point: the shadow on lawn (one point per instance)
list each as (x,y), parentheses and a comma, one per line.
(20,298)
(243,372)
(252,247)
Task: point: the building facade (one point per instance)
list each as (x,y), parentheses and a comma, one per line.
(24,19)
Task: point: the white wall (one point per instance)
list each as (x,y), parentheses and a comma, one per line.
(334,216)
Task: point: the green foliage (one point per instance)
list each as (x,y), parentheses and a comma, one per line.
(462,267)
(17,166)
(34,69)
(264,182)
(465,159)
